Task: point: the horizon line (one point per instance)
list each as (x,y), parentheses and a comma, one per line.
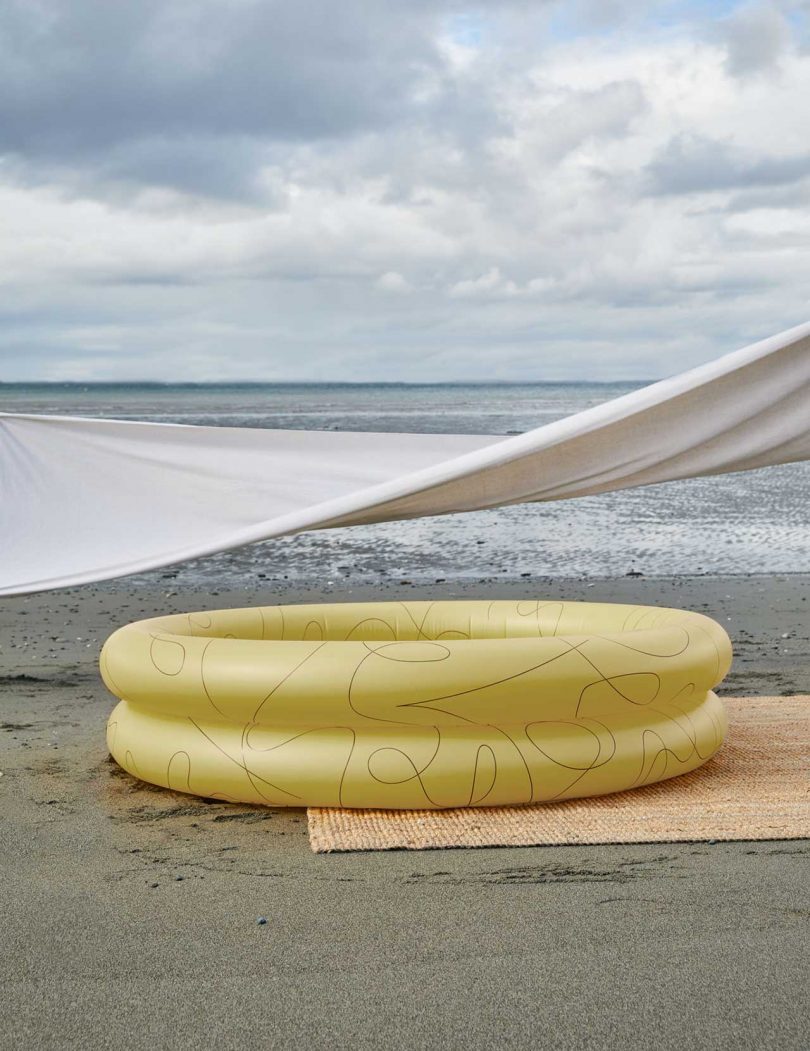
(321,383)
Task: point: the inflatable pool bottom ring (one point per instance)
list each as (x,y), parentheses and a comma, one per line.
(415,704)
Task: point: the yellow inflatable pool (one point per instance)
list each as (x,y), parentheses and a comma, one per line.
(415,704)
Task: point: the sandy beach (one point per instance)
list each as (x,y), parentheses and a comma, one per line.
(388,302)
(130,915)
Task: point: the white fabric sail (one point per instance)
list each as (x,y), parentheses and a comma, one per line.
(84,500)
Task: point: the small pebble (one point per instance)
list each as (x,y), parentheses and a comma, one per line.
(261,921)
(177,879)
(153,885)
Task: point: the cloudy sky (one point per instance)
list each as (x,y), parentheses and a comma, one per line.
(399,189)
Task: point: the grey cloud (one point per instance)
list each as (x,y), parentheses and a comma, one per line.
(755,38)
(223,166)
(690,164)
(791,196)
(146,91)
(143,89)
(91,73)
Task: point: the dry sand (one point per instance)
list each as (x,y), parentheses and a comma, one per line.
(130,915)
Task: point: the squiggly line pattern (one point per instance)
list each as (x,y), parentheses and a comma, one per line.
(416,704)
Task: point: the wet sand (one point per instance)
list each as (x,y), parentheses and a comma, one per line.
(130,914)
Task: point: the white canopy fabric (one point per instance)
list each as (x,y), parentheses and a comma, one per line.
(84,500)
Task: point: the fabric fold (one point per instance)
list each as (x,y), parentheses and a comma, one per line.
(83,500)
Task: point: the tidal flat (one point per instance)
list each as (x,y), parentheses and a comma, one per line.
(131,914)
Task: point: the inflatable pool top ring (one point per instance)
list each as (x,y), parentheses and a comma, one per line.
(415,704)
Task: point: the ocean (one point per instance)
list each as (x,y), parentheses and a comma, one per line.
(752,522)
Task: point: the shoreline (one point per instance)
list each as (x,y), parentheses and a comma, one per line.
(767,615)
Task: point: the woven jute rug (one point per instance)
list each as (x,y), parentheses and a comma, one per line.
(756,787)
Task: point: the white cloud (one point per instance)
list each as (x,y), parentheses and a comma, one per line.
(492,283)
(391,281)
(553,203)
